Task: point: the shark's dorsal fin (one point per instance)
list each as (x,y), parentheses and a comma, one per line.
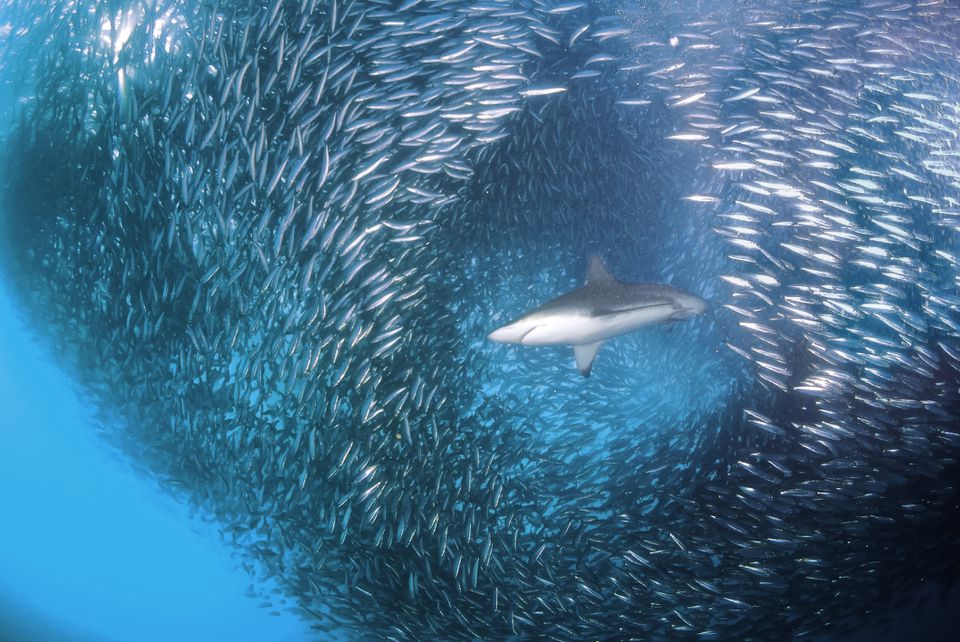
(597,273)
(585,355)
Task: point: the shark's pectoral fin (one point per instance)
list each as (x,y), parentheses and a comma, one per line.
(585,355)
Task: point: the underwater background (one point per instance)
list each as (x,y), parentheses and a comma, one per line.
(251,252)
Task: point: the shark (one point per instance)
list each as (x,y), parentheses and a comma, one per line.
(603,308)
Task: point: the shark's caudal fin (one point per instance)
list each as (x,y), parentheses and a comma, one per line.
(585,355)
(597,273)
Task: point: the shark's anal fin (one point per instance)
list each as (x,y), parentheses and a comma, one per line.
(585,355)
(597,273)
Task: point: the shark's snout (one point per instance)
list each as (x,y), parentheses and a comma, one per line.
(510,333)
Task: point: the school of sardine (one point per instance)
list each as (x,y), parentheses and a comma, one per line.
(272,235)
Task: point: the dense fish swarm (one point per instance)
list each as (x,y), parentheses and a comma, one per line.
(272,236)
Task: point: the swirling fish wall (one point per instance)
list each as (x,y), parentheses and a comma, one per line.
(273,236)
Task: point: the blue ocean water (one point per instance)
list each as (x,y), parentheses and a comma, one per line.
(90,549)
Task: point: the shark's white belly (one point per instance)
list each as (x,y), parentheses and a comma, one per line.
(581,330)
